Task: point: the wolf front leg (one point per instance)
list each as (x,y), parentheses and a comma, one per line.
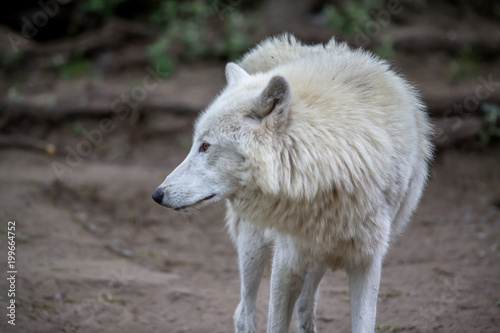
(305,308)
(253,253)
(364,283)
(287,277)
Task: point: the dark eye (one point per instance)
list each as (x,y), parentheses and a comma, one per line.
(204,147)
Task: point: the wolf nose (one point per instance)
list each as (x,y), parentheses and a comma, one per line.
(158,195)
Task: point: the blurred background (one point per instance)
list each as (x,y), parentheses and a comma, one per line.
(97,104)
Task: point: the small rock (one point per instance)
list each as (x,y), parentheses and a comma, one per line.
(57,297)
(127,253)
(92,227)
(442,221)
(481,235)
(466,212)
(81,216)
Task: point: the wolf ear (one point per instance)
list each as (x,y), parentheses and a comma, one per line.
(235,73)
(275,100)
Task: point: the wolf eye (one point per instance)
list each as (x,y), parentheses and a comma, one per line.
(204,147)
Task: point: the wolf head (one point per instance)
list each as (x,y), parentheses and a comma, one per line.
(233,142)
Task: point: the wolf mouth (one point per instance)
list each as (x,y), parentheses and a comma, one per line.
(197,202)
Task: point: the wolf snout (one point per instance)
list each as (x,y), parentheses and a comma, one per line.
(158,195)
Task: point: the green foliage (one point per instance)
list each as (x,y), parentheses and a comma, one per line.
(158,54)
(184,38)
(10,58)
(171,12)
(235,41)
(191,29)
(491,129)
(78,66)
(350,15)
(387,327)
(77,128)
(386,48)
(465,64)
(104,8)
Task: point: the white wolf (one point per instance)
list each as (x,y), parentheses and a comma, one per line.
(321,150)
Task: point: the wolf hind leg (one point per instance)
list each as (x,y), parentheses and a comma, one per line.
(305,307)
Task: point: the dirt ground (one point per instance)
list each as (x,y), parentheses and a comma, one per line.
(96,254)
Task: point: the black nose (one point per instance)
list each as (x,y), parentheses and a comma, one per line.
(158,195)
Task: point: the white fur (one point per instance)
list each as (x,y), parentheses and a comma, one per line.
(322,150)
